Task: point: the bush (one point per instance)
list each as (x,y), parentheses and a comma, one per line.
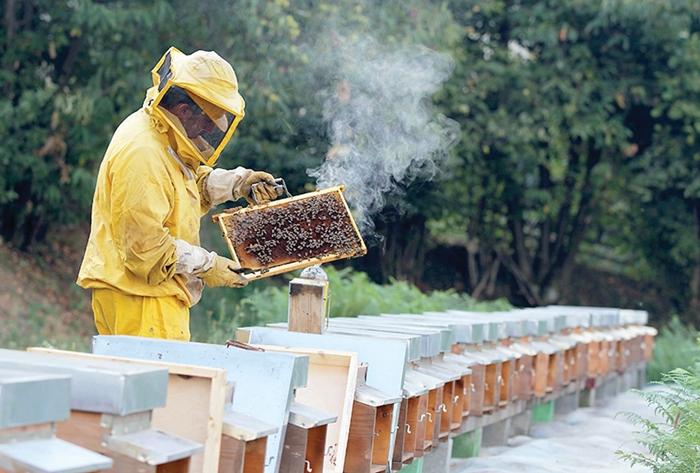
(352,294)
(675,347)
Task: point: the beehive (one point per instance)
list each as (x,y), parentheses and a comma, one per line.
(292,233)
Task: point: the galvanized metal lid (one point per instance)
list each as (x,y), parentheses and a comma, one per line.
(477,329)
(28,398)
(460,332)
(516,328)
(386,359)
(634,317)
(244,427)
(51,456)
(411,388)
(152,447)
(106,387)
(308,417)
(495,329)
(431,339)
(413,341)
(374,397)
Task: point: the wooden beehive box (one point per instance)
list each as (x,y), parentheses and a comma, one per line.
(292,233)
(507,382)
(492,390)
(525,382)
(415,427)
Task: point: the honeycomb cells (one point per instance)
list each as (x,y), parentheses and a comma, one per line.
(312,227)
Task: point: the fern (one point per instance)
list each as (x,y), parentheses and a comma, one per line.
(673,444)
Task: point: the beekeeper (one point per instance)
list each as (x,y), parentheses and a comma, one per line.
(143,261)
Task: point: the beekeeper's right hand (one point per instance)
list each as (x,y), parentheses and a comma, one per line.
(223,274)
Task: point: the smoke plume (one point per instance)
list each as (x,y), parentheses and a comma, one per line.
(382,123)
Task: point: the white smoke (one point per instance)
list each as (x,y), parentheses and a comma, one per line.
(382,123)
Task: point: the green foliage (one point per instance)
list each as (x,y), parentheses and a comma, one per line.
(579,123)
(676,346)
(562,105)
(673,443)
(352,294)
(68,73)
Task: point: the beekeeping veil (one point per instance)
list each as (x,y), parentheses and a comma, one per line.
(207,84)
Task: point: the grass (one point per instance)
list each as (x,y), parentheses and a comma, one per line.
(39,326)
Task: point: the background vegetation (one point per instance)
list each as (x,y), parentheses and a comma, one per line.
(575,179)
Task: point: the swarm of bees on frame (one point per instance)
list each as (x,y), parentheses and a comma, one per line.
(299,230)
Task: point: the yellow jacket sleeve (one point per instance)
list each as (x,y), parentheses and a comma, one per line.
(205,202)
(220,185)
(141,201)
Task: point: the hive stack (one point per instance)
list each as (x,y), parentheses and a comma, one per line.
(368,394)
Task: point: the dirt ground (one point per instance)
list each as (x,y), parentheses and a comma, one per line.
(40,304)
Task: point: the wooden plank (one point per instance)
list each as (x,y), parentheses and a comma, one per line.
(506,382)
(478,389)
(232,456)
(492,386)
(382,434)
(458,400)
(603,367)
(526,378)
(294,452)
(316,449)
(446,407)
(194,408)
(434,417)
(240,456)
(330,387)
(308,301)
(360,439)
(179,466)
(593,358)
(255,456)
(541,374)
(421,425)
(397,457)
(411,428)
(582,360)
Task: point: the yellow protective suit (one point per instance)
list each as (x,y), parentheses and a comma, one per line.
(150,192)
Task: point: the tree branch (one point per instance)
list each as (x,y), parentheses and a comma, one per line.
(530,294)
(10,21)
(579,224)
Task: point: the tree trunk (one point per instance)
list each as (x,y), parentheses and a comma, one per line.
(694,304)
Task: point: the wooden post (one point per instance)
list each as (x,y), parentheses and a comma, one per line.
(308,301)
